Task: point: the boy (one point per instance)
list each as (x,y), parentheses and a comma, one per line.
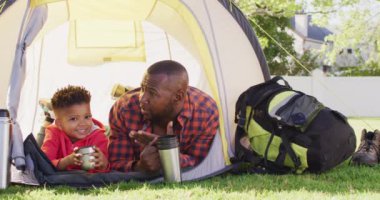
(73,128)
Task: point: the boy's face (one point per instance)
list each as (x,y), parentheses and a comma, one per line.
(75,121)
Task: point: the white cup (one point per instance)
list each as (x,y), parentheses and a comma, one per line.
(87,157)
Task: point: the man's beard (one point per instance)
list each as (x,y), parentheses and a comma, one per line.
(164,115)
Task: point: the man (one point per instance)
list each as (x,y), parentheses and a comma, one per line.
(165,104)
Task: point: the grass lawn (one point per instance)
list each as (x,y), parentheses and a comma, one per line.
(342,182)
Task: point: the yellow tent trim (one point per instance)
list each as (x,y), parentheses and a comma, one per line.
(35,3)
(206,59)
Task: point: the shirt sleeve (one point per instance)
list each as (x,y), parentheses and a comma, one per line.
(199,146)
(50,146)
(120,148)
(101,142)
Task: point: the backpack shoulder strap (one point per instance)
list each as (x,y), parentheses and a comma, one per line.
(258,93)
(278,78)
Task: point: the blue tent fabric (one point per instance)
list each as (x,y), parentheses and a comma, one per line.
(38,19)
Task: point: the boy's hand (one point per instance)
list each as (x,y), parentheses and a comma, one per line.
(72,159)
(76,158)
(100,160)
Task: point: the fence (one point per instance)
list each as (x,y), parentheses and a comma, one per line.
(352,96)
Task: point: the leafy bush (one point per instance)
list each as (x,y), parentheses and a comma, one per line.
(370,69)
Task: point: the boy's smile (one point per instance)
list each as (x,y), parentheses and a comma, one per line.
(75,121)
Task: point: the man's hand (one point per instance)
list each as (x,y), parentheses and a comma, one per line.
(169,128)
(143,138)
(101,162)
(149,157)
(149,160)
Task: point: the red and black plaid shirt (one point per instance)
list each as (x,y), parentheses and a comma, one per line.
(195,128)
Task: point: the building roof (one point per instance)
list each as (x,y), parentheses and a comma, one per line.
(313,32)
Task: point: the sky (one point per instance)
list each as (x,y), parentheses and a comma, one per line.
(370,7)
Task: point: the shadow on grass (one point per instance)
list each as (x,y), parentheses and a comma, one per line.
(343,179)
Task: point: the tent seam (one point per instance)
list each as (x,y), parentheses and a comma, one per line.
(217,55)
(151,10)
(225,148)
(168,43)
(38,82)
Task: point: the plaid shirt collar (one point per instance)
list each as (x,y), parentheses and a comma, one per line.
(186,111)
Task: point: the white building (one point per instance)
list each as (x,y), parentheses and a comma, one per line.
(306,35)
(309,37)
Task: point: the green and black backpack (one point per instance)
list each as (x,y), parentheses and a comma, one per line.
(289,131)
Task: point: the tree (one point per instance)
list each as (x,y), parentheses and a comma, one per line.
(278,59)
(369,69)
(309,60)
(357,26)
(270,19)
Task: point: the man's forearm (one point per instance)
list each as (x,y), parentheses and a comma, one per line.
(124,165)
(187,160)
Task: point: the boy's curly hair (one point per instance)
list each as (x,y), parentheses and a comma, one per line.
(69,96)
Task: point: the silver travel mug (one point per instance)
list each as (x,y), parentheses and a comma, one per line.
(169,156)
(87,157)
(5,141)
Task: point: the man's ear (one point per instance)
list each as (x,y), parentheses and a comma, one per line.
(179,95)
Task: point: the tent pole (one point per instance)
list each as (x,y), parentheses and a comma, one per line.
(38,83)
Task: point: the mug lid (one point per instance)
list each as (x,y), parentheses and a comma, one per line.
(167,142)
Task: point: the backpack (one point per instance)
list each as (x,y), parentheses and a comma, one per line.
(289,131)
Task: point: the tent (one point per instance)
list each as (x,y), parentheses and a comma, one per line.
(101,43)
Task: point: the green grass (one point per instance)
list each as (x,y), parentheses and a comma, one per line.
(343,182)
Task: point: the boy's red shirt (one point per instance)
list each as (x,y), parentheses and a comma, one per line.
(58,145)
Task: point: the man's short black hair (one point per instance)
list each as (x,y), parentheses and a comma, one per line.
(168,67)
(70,95)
